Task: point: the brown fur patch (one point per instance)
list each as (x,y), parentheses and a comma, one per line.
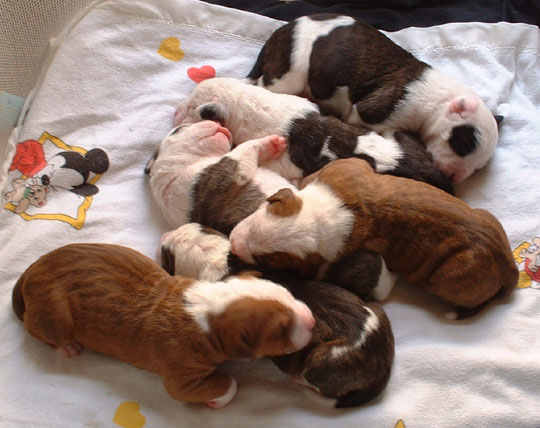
(218,201)
(426,236)
(307,266)
(244,335)
(284,203)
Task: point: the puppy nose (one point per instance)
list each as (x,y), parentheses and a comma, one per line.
(240,248)
(307,317)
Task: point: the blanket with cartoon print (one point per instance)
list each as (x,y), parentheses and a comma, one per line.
(73,172)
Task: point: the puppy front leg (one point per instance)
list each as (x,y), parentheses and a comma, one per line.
(251,154)
(214,390)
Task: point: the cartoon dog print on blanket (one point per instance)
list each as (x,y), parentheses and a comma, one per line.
(51,180)
(527,257)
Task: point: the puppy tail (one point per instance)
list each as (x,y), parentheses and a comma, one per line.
(257,70)
(17,300)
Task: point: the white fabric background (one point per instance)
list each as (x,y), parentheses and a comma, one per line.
(105,86)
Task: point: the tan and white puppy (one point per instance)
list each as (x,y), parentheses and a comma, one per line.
(356,73)
(429,238)
(313,140)
(119,302)
(349,358)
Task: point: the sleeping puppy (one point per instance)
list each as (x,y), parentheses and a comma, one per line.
(116,301)
(349,358)
(250,112)
(195,177)
(429,238)
(356,73)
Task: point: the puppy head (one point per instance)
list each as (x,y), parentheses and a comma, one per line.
(249,317)
(292,231)
(463,137)
(207,101)
(273,230)
(202,139)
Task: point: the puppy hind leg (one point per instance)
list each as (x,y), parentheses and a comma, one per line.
(54,326)
(216,390)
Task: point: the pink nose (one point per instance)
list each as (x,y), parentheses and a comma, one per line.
(241,249)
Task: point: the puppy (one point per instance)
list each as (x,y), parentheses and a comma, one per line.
(196,177)
(356,73)
(313,140)
(429,238)
(349,358)
(116,301)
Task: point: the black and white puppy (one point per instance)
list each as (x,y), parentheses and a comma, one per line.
(356,73)
(349,359)
(313,140)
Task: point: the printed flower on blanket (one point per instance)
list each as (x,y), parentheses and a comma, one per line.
(527,255)
(51,180)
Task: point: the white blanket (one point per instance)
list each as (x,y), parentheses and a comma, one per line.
(112,81)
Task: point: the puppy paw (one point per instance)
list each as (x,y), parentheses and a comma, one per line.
(70,350)
(224,399)
(271,147)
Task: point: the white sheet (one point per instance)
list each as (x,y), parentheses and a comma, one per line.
(106,86)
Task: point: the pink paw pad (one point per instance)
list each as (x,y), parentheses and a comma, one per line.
(277,146)
(273,147)
(70,350)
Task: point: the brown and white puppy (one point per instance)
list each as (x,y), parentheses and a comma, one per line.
(116,301)
(363,273)
(429,238)
(356,73)
(349,358)
(313,141)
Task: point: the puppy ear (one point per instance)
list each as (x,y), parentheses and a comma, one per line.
(151,161)
(284,203)
(463,106)
(212,111)
(498,118)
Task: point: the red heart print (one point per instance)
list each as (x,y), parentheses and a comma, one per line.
(200,74)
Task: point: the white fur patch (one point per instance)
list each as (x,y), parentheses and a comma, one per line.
(385,284)
(371,324)
(305,32)
(197,254)
(204,298)
(385,151)
(325,151)
(339,104)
